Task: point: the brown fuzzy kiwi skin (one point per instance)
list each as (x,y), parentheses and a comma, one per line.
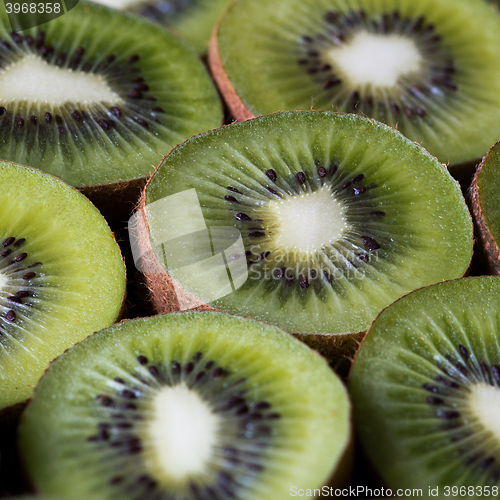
(488,245)
(13,480)
(236,106)
(117,200)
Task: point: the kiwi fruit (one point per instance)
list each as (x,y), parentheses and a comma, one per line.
(61,275)
(425,388)
(96,97)
(486,206)
(337,217)
(193,20)
(431,68)
(186,406)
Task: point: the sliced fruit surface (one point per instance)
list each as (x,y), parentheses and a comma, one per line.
(96,96)
(194,20)
(338,216)
(61,275)
(191,405)
(431,68)
(426,388)
(486,204)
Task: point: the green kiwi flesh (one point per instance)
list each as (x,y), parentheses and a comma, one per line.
(425,387)
(265,413)
(96,96)
(372,216)
(194,20)
(486,205)
(61,275)
(440,86)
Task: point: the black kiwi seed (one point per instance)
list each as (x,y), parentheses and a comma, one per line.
(271,174)
(301,178)
(8,241)
(242,217)
(370,243)
(142,360)
(431,388)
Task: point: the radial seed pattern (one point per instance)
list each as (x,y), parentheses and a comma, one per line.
(283,415)
(341,56)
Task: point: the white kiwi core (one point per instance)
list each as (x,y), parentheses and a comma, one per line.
(34,80)
(3,281)
(484,401)
(308,222)
(183,432)
(376,59)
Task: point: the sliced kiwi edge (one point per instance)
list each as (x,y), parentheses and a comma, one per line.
(461,170)
(340,476)
(487,281)
(126,189)
(9,414)
(167,296)
(238,109)
(488,243)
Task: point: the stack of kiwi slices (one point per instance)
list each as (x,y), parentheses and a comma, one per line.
(431,68)
(425,386)
(313,221)
(96,97)
(194,20)
(486,205)
(187,406)
(61,275)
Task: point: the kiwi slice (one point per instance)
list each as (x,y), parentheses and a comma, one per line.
(96,96)
(338,216)
(425,387)
(486,205)
(186,406)
(61,275)
(431,68)
(194,20)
